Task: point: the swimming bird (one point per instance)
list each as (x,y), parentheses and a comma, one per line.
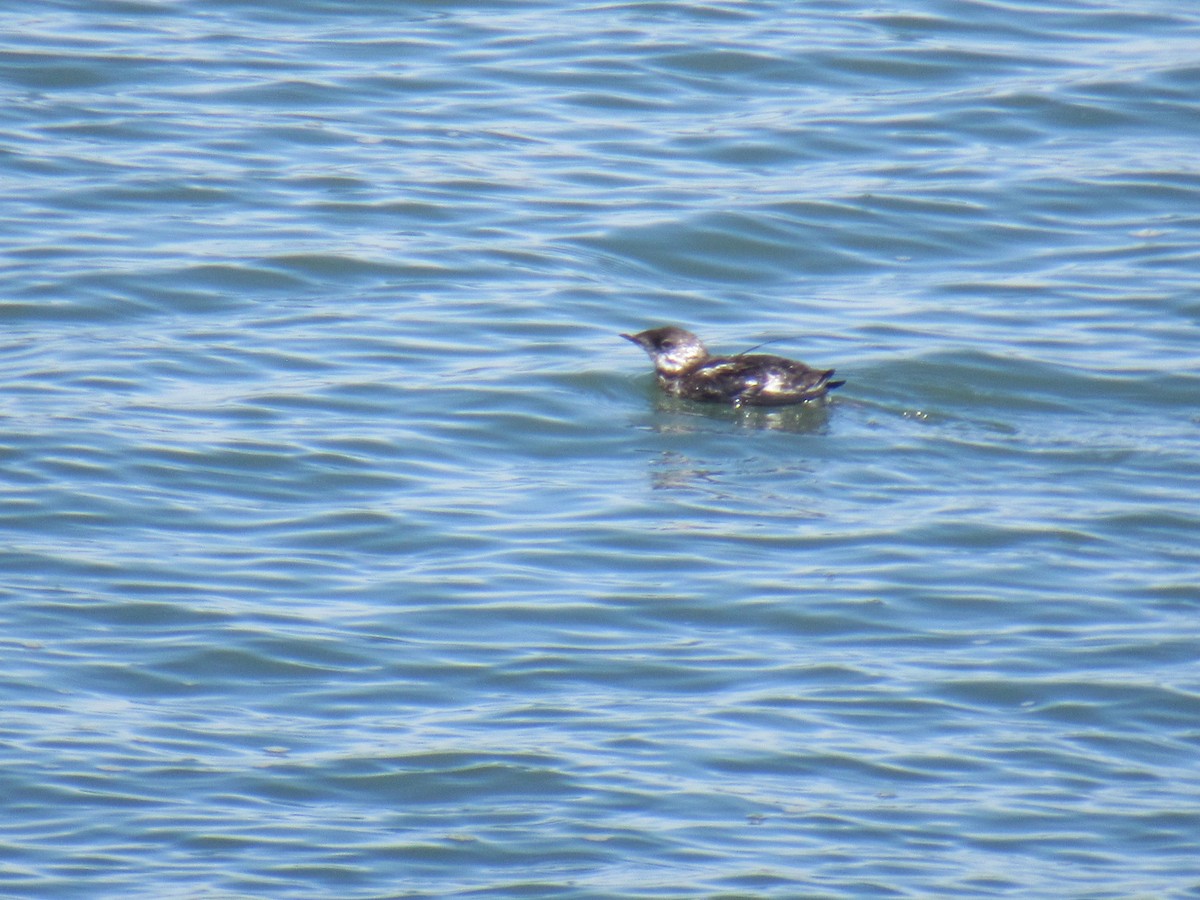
(686,369)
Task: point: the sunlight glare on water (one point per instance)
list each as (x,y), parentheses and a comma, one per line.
(349,551)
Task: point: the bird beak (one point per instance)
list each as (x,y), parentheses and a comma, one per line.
(630,337)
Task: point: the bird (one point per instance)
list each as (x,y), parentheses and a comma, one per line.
(685,368)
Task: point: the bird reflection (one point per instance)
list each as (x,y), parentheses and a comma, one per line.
(675,416)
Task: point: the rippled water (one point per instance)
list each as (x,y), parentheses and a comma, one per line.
(348,552)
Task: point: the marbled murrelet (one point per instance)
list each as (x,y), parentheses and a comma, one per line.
(686,369)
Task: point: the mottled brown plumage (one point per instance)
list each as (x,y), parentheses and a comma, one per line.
(686,369)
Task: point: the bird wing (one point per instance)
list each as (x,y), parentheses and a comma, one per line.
(758,380)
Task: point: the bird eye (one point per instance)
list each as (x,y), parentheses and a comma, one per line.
(667,345)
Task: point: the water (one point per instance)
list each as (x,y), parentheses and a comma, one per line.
(348,552)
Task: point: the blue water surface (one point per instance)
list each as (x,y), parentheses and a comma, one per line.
(347,551)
